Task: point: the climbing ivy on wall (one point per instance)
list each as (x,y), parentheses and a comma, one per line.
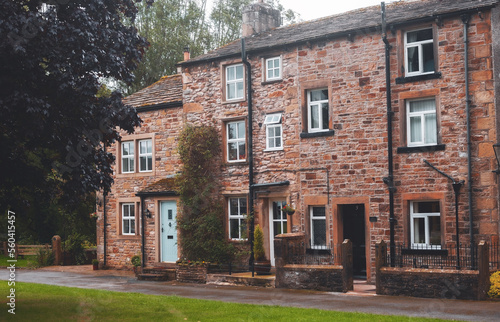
(201,223)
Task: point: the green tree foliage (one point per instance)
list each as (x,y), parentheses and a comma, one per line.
(258,244)
(172,25)
(54,128)
(202,215)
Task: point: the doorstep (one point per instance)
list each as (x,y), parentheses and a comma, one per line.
(241,279)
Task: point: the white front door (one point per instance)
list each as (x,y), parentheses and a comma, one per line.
(168,231)
(277,224)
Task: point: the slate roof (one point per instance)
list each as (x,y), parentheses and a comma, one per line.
(167,92)
(160,187)
(343,24)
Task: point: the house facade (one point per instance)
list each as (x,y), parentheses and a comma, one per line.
(304,120)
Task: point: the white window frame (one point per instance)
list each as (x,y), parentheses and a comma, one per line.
(239,216)
(130,159)
(147,155)
(235,81)
(312,219)
(236,140)
(317,104)
(418,45)
(273,122)
(421,115)
(129,218)
(275,67)
(426,216)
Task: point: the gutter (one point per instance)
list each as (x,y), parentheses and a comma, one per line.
(250,148)
(389,180)
(160,106)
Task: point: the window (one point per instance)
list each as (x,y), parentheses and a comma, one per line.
(128,157)
(145,155)
(425,224)
(273,68)
(318,227)
(137,155)
(274,139)
(237,218)
(421,122)
(317,110)
(128,219)
(419,52)
(234,82)
(236,142)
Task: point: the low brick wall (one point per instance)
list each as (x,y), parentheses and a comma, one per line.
(456,284)
(191,273)
(311,277)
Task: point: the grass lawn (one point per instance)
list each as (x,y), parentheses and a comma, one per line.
(27,261)
(38,302)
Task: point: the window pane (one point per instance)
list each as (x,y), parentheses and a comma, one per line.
(428,56)
(277,228)
(243,206)
(234,228)
(430,128)
(232,131)
(231,91)
(242,152)
(233,151)
(233,206)
(230,73)
(415,129)
(143,163)
(277,131)
(241,130)
(413,63)
(419,230)
(435,230)
(278,142)
(422,106)
(319,95)
(132,226)
(126,226)
(318,212)
(324,110)
(239,72)
(315,116)
(239,89)
(419,35)
(150,163)
(125,167)
(426,207)
(319,230)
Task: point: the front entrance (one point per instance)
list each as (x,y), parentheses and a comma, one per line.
(277,224)
(353,218)
(168,231)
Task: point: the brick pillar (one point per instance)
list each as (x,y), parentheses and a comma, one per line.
(347,266)
(484,269)
(380,261)
(57,250)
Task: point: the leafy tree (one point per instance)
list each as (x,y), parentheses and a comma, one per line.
(54,128)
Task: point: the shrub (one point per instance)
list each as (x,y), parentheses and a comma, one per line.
(258,244)
(136,260)
(44,258)
(73,246)
(495,285)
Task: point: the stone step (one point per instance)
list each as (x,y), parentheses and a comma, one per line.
(220,279)
(152,277)
(157,273)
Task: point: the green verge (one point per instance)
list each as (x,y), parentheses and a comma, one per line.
(27,261)
(38,302)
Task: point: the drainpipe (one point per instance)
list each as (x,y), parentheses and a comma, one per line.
(105,193)
(389,180)
(143,237)
(466,20)
(248,68)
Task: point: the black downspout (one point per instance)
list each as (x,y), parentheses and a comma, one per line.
(104,219)
(466,19)
(143,262)
(248,68)
(390,179)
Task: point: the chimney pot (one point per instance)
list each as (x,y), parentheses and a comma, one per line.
(187,54)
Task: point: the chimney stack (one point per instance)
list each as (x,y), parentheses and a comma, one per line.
(187,55)
(259,17)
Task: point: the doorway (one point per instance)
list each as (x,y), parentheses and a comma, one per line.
(168,231)
(277,224)
(353,227)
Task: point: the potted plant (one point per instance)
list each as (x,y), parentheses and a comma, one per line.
(136,261)
(261,265)
(288,210)
(95,264)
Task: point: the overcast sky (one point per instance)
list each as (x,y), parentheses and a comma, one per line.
(313,9)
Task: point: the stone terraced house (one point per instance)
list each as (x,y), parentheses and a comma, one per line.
(304,120)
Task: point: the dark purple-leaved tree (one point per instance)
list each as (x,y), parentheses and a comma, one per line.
(55,121)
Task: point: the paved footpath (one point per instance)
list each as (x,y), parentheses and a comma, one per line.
(351,302)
